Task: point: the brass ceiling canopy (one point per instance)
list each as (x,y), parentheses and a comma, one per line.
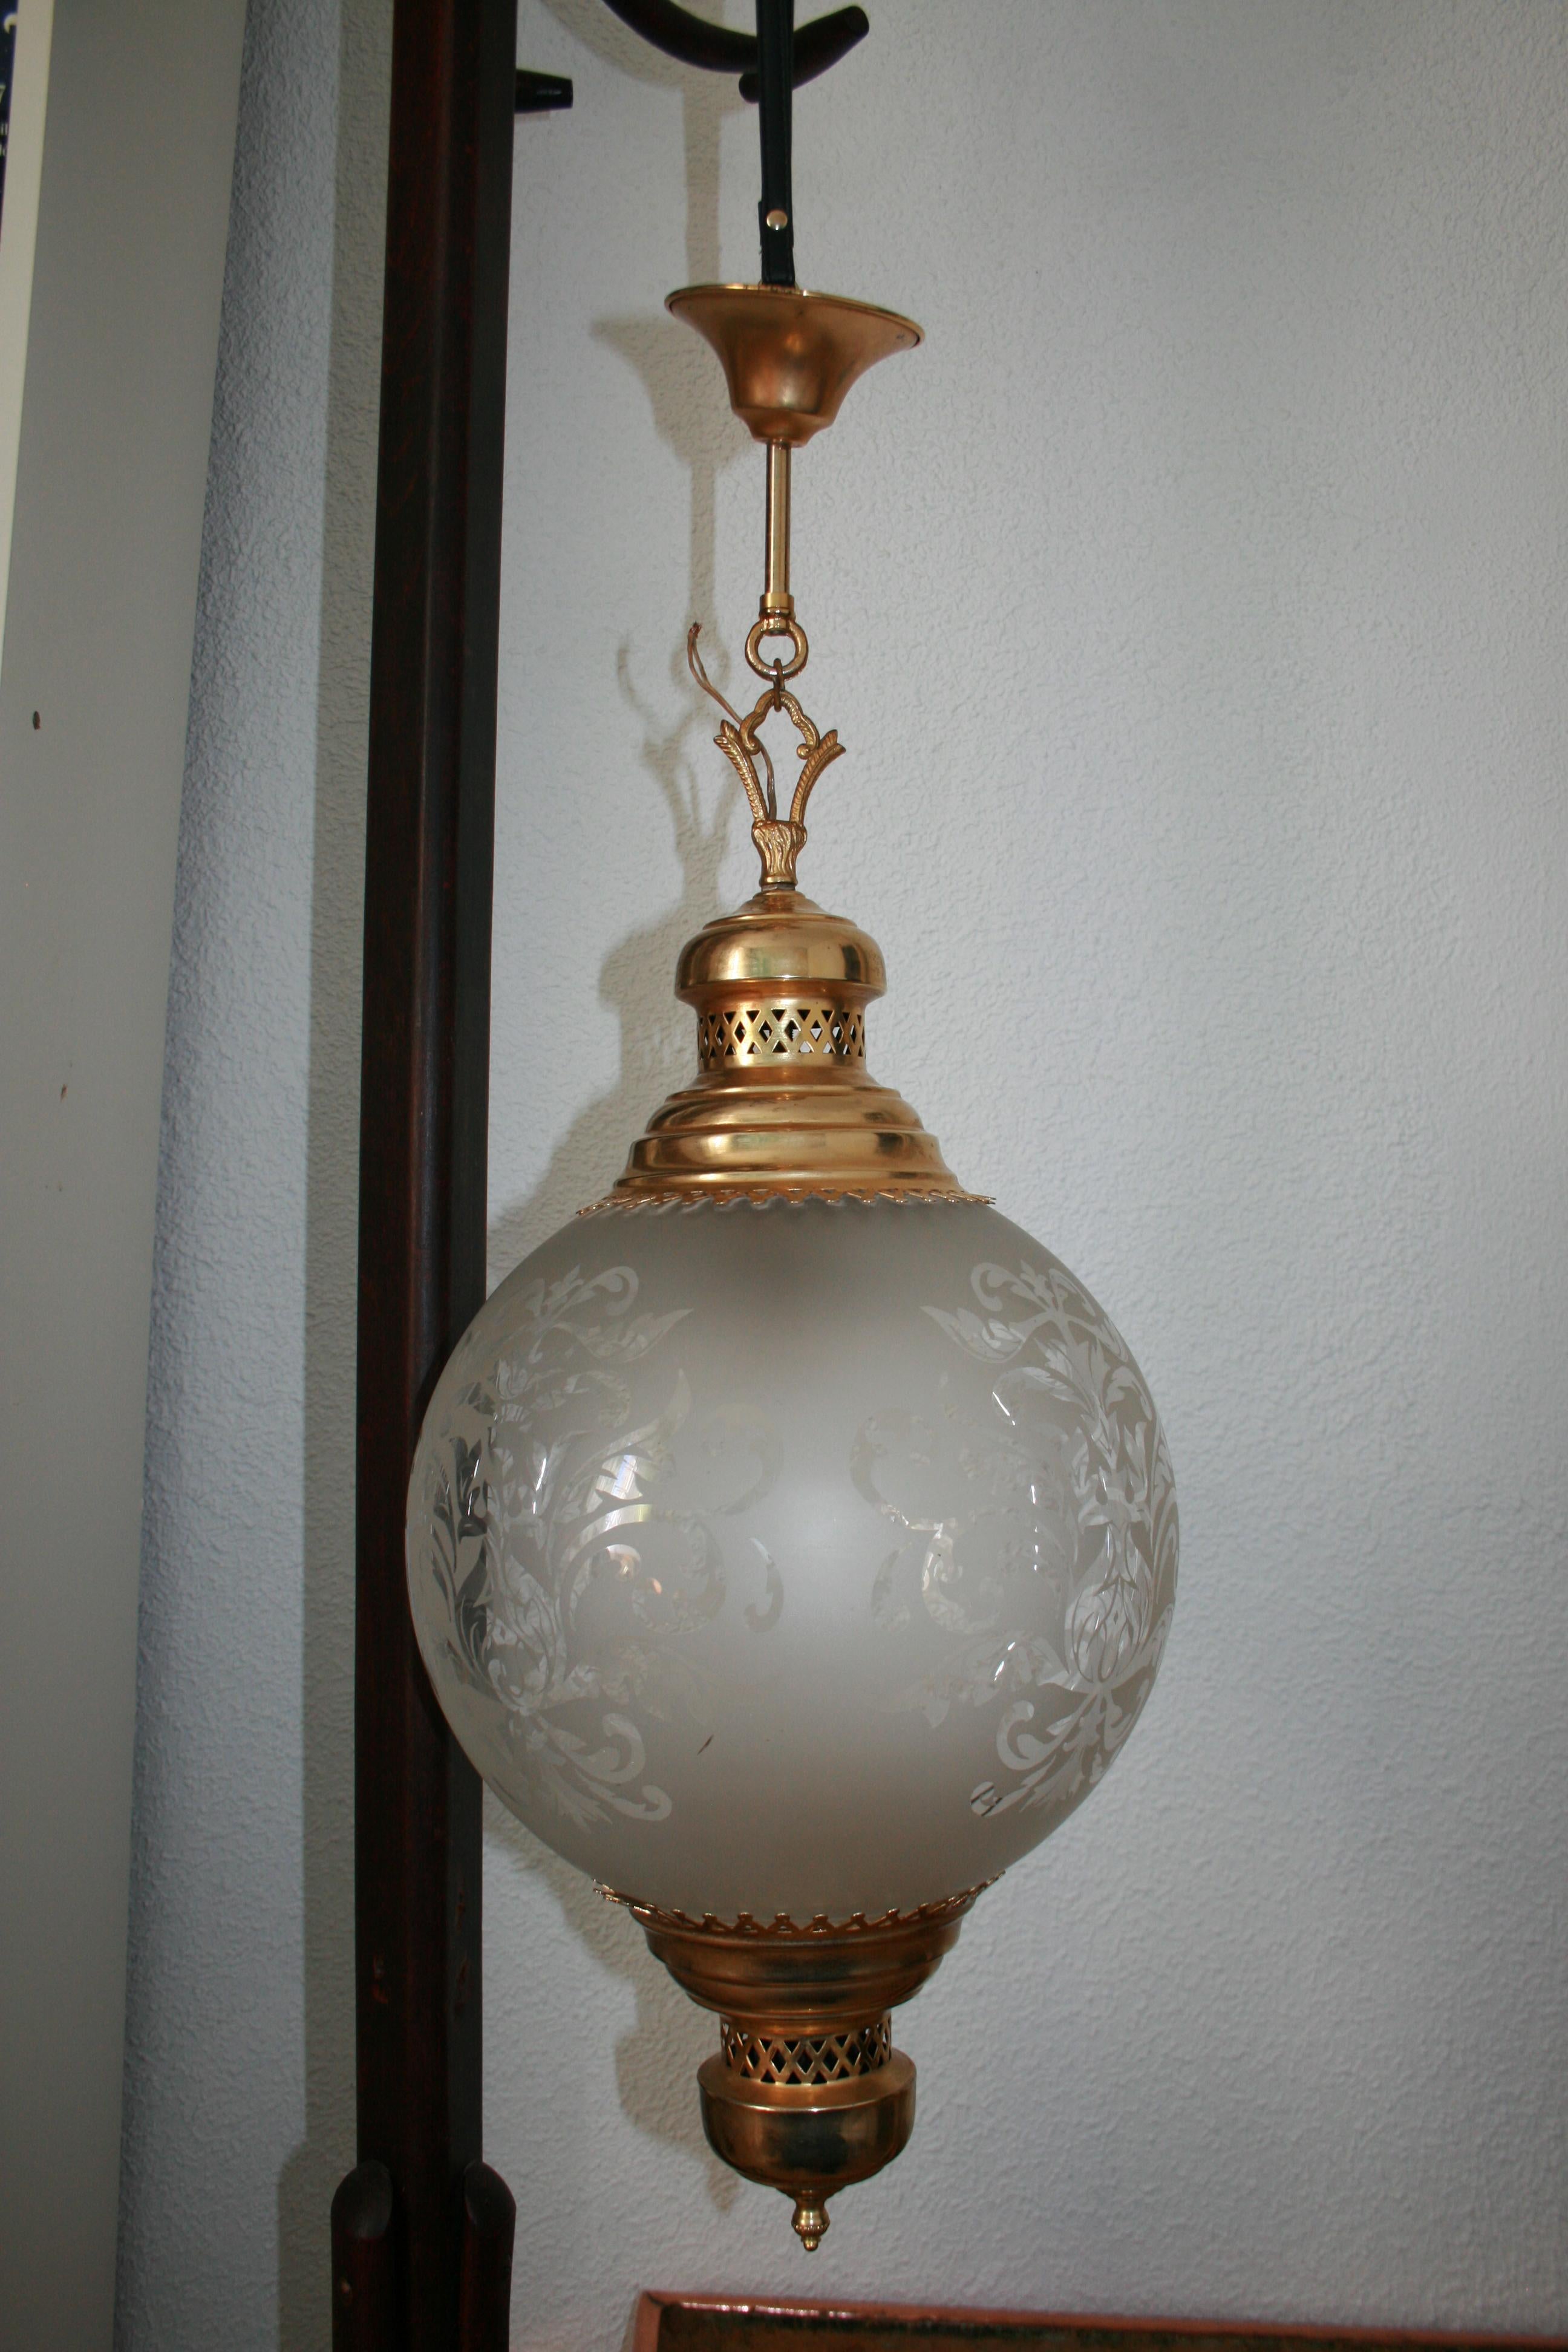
(789,357)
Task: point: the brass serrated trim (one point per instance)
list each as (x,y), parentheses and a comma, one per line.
(761,1195)
(649,1915)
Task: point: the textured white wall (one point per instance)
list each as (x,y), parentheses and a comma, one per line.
(239,2036)
(1192,608)
(129,199)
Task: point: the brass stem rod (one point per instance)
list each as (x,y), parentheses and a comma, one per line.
(776,597)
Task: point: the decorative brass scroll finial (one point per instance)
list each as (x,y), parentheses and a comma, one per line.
(779,840)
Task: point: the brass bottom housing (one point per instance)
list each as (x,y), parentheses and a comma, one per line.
(809,2137)
(806,2092)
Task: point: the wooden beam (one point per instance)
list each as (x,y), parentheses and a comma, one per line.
(425,1100)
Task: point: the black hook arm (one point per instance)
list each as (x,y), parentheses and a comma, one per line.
(679,33)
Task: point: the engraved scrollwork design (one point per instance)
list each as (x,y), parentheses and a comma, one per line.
(566,1578)
(1058,1579)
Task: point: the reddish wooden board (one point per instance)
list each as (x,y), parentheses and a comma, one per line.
(698,2323)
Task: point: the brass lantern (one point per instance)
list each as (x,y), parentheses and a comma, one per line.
(792,1540)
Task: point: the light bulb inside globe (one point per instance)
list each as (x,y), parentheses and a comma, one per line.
(791,1538)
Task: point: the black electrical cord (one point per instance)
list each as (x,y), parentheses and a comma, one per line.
(771,68)
(775,75)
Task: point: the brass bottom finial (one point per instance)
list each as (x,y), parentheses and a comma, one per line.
(811,2223)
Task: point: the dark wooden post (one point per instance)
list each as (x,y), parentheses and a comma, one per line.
(422,1142)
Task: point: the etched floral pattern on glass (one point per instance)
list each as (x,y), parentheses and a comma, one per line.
(794,1558)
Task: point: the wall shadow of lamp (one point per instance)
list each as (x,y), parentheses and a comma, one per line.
(694,421)
(666,2036)
(792,1540)
(655,1041)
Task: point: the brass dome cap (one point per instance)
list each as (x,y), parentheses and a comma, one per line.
(780,939)
(783,1104)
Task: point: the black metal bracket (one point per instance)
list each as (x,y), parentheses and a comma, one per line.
(696,42)
(540,93)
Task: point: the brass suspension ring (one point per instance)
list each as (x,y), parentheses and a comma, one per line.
(777,624)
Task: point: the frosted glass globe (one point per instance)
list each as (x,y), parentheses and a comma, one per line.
(805,1558)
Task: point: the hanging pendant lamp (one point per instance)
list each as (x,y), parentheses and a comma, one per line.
(791,1538)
